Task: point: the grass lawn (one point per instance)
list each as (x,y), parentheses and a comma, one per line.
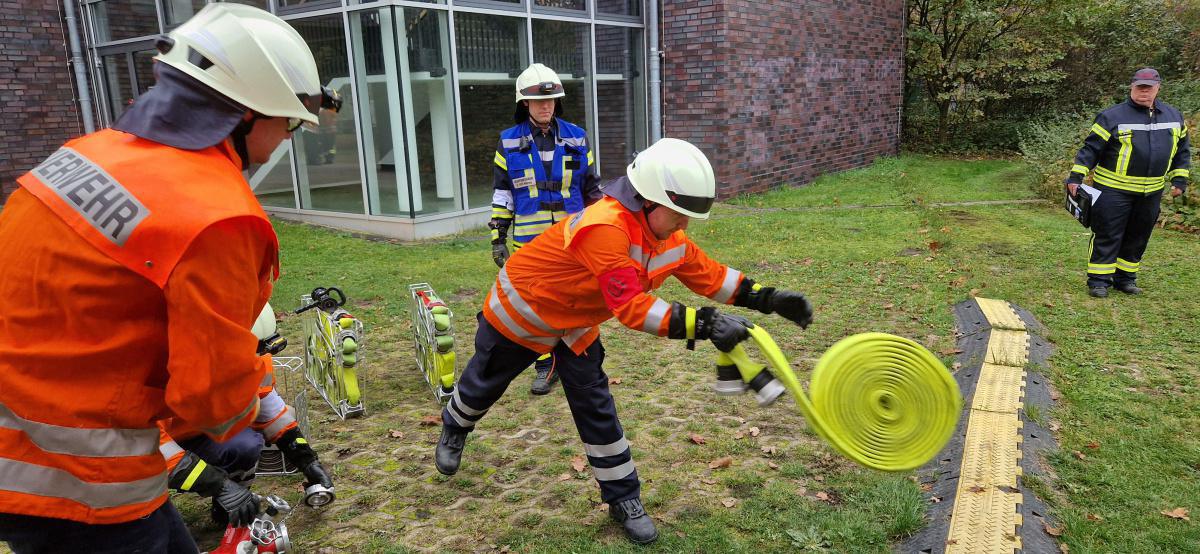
(1126,368)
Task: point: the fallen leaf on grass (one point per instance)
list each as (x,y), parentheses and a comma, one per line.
(754,431)
(934,246)
(927,487)
(914,286)
(806,261)
(1093,445)
(614,381)
(822,495)
(772,465)
(889,306)
(680,534)
(1063,548)
(1177,513)
(974,293)
(721,462)
(430,420)
(1078,455)
(697,438)
(818,478)
(1052,531)
(945,229)
(951,541)
(564,477)
(768,450)
(729,502)
(676,464)
(802,491)
(708,481)
(1054,425)
(977,489)
(950,351)
(739,435)
(1094,517)
(578,463)
(396,434)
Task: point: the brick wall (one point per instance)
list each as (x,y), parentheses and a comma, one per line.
(37,89)
(776,93)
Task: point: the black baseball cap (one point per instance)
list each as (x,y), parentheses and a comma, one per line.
(1146,76)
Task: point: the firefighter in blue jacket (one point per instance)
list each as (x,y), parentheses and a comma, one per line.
(544,172)
(1134,148)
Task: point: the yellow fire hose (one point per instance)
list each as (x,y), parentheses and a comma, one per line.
(881,400)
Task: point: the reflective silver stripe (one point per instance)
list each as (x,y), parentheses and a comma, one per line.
(79,441)
(574,335)
(276,427)
(655,315)
(169,449)
(267,380)
(613,473)
(224,427)
(669,257)
(462,407)
(95,195)
(1147,126)
(48,481)
(729,287)
(458,417)
(511,143)
(519,303)
(635,252)
(507,320)
(547,155)
(604,450)
(573,141)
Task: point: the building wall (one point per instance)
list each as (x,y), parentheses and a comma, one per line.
(777,93)
(40,112)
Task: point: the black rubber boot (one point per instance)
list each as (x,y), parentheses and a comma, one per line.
(1128,288)
(1098,292)
(449,451)
(632,516)
(546,376)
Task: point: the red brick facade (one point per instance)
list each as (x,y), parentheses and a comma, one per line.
(777,93)
(40,112)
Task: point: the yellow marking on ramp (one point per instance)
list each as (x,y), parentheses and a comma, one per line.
(985,518)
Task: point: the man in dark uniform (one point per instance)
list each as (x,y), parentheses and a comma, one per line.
(1134,149)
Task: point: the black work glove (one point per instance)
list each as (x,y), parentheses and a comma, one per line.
(500,253)
(314,474)
(793,306)
(725,331)
(237,501)
(191,474)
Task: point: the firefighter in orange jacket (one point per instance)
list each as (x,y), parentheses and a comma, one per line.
(600,263)
(136,259)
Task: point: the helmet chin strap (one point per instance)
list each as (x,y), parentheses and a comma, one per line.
(238,135)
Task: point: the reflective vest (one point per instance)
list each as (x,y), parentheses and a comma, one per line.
(1134,149)
(540,200)
(545,294)
(83,361)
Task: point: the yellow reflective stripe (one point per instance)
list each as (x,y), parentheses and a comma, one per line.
(301,440)
(1102,269)
(1178,173)
(501,161)
(1081,169)
(1118,184)
(1125,153)
(534,230)
(1127,179)
(1100,131)
(1174,146)
(501,213)
(529,174)
(566,177)
(591,160)
(1128,266)
(195,474)
(689,318)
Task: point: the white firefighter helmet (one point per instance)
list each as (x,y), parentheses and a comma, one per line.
(675,174)
(539,82)
(249,56)
(264,327)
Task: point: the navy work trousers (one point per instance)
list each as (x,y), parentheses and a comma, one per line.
(161,532)
(1121,227)
(498,360)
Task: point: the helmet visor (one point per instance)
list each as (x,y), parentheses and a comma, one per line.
(695,204)
(329,99)
(543,89)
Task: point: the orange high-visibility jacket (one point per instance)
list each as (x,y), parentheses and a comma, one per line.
(600,263)
(133,272)
(274,418)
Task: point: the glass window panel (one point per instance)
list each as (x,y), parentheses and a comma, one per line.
(619,7)
(264,4)
(491,53)
(620,98)
(327,167)
(565,47)
(143,66)
(116,84)
(272,181)
(562,4)
(305,5)
(175,12)
(410,111)
(122,19)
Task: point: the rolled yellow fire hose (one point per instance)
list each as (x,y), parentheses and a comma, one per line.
(881,400)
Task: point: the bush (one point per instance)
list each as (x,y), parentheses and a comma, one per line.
(1050,146)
